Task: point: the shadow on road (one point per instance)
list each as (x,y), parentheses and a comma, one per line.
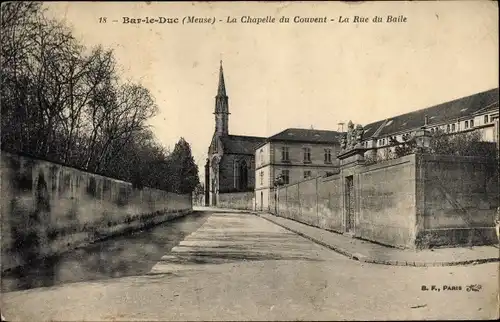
(133,254)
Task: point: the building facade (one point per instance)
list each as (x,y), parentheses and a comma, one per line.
(292,156)
(230,165)
(478,112)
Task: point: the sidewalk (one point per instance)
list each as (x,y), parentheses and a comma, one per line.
(366,251)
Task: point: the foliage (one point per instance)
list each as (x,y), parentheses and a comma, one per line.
(386,154)
(408,146)
(199,190)
(66,103)
(185,175)
(462,144)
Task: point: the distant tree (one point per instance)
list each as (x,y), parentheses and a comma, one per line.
(462,144)
(199,193)
(65,102)
(407,146)
(184,170)
(199,189)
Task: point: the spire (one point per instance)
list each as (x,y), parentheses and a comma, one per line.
(221,91)
(221,106)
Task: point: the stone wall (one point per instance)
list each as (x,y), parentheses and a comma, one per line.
(47,208)
(385,195)
(460,193)
(387,201)
(416,201)
(237,200)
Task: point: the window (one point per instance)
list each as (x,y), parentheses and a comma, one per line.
(261,156)
(453,127)
(285,174)
(307,154)
(243,176)
(328,155)
(285,156)
(466,124)
(486,119)
(307,174)
(236,174)
(471,123)
(448,128)
(262,178)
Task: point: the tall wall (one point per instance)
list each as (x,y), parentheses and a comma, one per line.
(414,201)
(46,207)
(330,203)
(459,193)
(385,195)
(237,200)
(387,202)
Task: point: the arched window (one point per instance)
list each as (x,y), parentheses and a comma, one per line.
(243,175)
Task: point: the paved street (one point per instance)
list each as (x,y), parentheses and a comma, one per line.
(237,266)
(129,255)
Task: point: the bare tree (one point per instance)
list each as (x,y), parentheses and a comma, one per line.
(64,102)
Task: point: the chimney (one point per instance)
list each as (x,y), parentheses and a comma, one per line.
(426,120)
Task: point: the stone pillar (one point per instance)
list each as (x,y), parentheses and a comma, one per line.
(423,140)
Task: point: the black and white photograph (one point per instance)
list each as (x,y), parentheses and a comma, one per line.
(249,161)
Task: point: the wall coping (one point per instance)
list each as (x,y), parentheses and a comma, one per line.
(455,158)
(237,193)
(388,163)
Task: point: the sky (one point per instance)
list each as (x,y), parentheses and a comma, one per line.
(281,76)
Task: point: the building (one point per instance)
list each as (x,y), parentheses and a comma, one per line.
(230,163)
(466,114)
(293,155)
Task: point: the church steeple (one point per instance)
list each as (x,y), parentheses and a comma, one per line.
(221,106)
(221,91)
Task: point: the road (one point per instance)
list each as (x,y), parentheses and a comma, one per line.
(237,266)
(130,255)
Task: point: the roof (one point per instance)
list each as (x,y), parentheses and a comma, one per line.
(239,144)
(307,135)
(436,114)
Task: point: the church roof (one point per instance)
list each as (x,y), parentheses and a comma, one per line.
(307,136)
(240,144)
(437,114)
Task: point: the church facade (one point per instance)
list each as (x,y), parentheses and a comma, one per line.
(230,166)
